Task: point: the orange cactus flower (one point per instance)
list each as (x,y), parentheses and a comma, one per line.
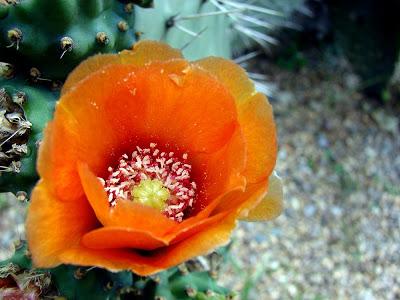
(150,160)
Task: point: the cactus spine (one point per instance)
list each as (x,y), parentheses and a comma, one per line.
(213,27)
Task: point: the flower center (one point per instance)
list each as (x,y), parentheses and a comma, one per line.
(151,177)
(151,192)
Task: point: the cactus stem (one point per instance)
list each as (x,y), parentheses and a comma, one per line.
(102,38)
(66,44)
(123,26)
(15,37)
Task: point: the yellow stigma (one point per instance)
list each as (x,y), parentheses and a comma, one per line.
(151,192)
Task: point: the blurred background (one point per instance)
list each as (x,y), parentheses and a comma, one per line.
(334,83)
(331,70)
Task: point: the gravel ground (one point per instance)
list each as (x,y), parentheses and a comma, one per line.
(12,214)
(339,236)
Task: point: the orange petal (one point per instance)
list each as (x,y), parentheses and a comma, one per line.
(201,243)
(87,67)
(255,116)
(138,219)
(65,142)
(256,119)
(112,259)
(121,237)
(221,172)
(271,205)
(201,225)
(153,261)
(53,226)
(182,106)
(116,115)
(135,217)
(143,52)
(201,219)
(239,201)
(231,75)
(189,107)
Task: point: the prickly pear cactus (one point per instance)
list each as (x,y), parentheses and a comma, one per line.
(55,35)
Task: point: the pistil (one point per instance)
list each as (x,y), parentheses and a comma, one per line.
(151,192)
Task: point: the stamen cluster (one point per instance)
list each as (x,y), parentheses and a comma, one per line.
(151,163)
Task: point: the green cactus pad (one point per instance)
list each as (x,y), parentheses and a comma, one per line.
(38,108)
(56,35)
